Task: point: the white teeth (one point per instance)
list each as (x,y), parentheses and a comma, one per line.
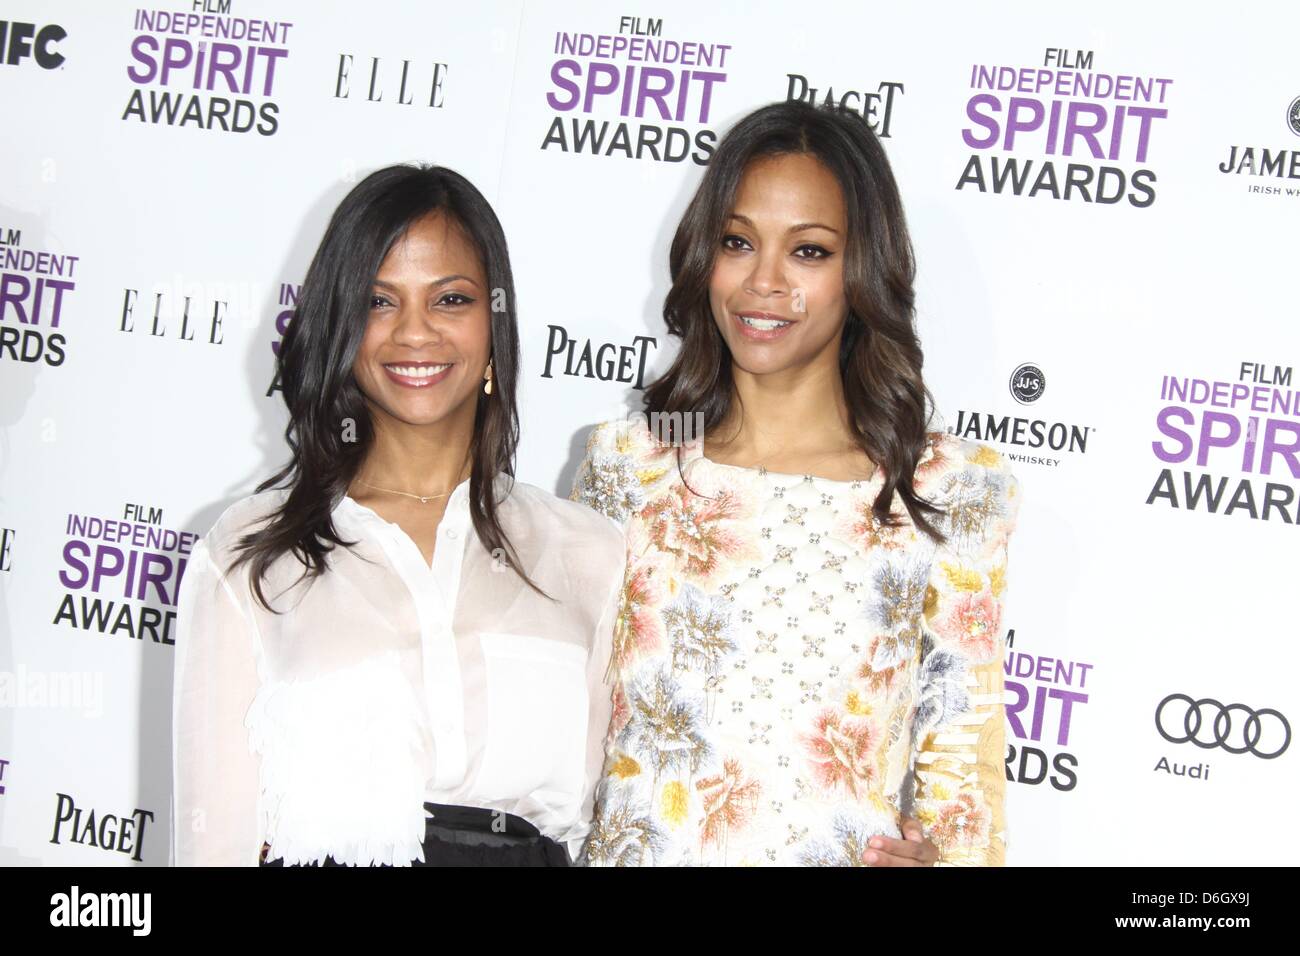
(417,371)
(763,325)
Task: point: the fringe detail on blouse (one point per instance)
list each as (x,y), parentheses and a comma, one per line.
(342,770)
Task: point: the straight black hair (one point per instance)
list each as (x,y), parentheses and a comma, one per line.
(330,430)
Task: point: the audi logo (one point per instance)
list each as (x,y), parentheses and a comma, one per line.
(1236,728)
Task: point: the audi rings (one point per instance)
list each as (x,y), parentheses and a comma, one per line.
(1233,733)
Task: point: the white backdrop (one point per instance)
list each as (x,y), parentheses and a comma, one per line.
(1117,599)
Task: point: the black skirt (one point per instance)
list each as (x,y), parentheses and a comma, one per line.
(473,836)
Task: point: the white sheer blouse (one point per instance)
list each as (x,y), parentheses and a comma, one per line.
(323,730)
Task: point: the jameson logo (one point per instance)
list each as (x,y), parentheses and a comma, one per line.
(659,90)
(33,287)
(1064,130)
(1280,162)
(206,68)
(123,577)
(1249,428)
(1027,385)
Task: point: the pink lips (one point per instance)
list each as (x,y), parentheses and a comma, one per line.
(762,335)
(411,381)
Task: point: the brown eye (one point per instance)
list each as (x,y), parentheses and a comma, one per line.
(814,252)
(727,242)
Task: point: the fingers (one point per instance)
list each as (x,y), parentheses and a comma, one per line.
(913,850)
(912,830)
(890,852)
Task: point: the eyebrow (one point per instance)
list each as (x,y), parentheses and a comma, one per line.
(434,284)
(797,227)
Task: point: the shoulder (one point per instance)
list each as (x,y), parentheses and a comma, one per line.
(961,475)
(565,523)
(949,460)
(585,549)
(623,436)
(625,466)
(240,518)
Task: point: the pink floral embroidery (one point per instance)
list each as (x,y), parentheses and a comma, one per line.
(960,822)
(639,630)
(841,751)
(702,533)
(971,621)
(730,801)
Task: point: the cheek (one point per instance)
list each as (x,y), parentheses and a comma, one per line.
(825,296)
(722,284)
(476,335)
(366,350)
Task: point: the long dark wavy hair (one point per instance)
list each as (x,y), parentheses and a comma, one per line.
(880,355)
(315,362)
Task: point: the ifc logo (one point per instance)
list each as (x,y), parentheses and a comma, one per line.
(1027,384)
(1293,116)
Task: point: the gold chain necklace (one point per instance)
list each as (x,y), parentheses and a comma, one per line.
(423,499)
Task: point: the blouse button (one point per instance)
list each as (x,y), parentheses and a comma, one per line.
(451,534)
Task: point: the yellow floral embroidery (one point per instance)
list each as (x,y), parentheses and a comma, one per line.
(998,579)
(855,705)
(625,767)
(674,802)
(986,456)
(648,476)
(963,579)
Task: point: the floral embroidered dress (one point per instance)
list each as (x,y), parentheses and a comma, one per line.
(790,674)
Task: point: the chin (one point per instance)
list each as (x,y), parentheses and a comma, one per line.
(760,361)
(415,413)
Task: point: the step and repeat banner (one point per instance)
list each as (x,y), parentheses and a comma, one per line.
(1103,199)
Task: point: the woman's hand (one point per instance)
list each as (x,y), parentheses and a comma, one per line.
(913,850)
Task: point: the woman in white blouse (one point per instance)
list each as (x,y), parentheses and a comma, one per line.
(393,653)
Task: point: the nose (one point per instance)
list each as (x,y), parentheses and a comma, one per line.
(416,327)
(767,277)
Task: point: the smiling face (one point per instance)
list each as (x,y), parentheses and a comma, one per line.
(777,287)
(428,336)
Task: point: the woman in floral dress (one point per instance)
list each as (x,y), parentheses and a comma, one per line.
(807,661)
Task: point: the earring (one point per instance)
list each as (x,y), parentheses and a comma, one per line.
(487,379)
